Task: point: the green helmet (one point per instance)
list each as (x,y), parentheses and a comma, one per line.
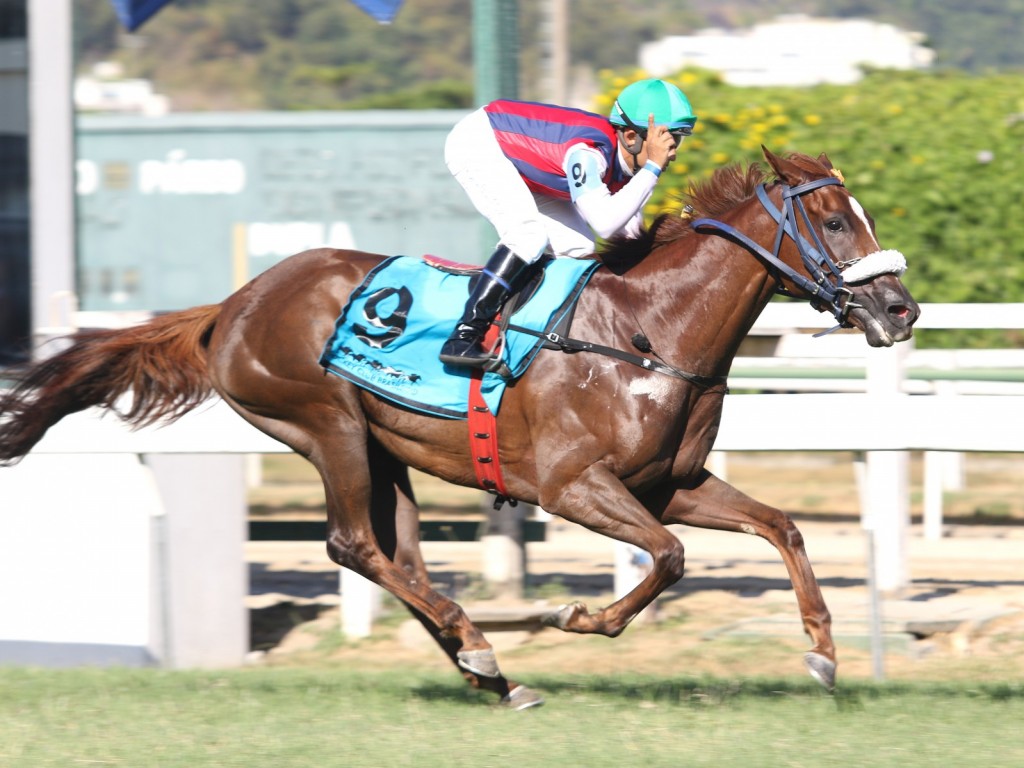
(669,105)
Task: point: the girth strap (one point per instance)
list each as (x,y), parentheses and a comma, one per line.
(483,436)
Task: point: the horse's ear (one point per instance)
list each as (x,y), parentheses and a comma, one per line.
(823,159)
(787,171)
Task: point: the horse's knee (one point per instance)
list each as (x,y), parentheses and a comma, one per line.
(788,532)
(672,559)
(350,552)
(780,530)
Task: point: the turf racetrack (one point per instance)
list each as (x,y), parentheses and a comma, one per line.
(330,716)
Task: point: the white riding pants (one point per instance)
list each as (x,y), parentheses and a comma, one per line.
(527,223)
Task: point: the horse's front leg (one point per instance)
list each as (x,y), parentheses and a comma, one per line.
(712,503)
(599,501)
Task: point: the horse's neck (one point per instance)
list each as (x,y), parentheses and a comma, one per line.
(710,292)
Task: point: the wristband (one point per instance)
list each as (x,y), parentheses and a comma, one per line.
(653,167)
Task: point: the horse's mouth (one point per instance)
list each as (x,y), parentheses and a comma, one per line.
(895,324)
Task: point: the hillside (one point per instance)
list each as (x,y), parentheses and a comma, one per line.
(311,54)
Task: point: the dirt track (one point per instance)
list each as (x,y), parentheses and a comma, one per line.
(733,613)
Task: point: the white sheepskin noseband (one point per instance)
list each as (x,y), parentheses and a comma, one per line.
(877,263)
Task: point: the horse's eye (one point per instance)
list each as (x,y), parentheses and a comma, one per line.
(834,225)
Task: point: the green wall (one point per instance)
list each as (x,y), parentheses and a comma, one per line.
(181,210)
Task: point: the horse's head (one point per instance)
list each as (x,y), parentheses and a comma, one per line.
(836,260)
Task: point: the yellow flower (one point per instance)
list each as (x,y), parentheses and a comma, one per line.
(899,212)
(719,158)
(917,160)
(894,109)
(812,119)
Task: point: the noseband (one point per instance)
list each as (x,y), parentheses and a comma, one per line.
(825,284)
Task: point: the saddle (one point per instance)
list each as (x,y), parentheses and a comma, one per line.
(388,335)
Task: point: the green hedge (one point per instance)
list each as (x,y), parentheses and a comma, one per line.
(936,158)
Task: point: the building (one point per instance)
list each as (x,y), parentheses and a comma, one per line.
(14,189)
(792,50)
(106,90)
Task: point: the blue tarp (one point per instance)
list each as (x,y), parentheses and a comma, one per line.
(382,10)
(134,13)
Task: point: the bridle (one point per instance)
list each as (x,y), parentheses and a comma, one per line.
(824,280)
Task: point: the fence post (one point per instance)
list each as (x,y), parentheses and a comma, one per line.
(886,503)
(504,548)
(360,603)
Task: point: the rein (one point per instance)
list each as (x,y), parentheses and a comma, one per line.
(825,285)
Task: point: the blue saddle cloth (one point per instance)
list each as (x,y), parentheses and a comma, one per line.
(388,336)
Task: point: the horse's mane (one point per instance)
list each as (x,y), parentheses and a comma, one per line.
(712,197)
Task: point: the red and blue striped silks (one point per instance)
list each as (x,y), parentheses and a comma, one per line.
(536,137)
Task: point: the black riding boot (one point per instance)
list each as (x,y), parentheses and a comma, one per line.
(495,284)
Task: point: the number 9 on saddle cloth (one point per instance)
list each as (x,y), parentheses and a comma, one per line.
(387,338)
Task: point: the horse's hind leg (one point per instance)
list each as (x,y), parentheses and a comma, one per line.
(352,543)
(712,503)
(396,525)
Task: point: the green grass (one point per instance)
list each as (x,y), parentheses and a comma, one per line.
(326,716)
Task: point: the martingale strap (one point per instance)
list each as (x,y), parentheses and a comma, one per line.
(566,344)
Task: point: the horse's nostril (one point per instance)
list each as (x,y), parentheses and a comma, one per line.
(902,311)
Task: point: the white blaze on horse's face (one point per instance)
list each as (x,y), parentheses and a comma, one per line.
(861,214)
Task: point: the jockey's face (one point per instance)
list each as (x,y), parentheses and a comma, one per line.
(629,136)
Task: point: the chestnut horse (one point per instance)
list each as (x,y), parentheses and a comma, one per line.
(689,289)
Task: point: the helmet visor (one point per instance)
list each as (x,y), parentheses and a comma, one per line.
(678,134)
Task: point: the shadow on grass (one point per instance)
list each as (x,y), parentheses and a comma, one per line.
(851,697)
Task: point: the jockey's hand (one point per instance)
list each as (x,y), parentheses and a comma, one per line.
(661,145)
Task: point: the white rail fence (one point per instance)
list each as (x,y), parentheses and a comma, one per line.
(132,542)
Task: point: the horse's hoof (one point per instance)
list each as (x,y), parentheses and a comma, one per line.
(822,669)
(482,662)
(562,615)
(520,698)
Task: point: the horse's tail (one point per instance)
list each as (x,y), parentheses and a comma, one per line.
(162,362)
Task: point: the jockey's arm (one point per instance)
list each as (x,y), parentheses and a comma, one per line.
(608,214)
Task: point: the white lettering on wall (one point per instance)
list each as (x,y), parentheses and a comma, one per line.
(180,175)
(87,177)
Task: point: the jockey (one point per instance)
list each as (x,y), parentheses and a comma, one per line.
(548,178)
